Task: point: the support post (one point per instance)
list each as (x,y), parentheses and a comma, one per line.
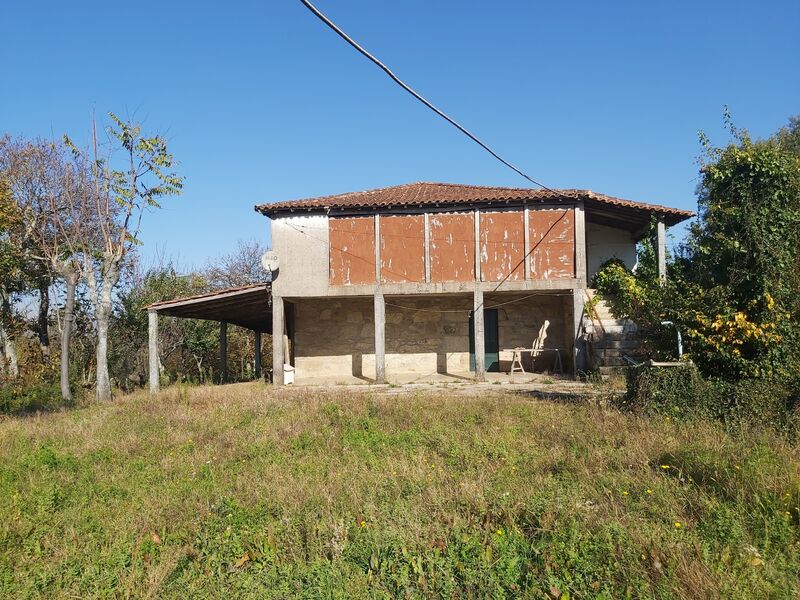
(581,273)
(257,353)
(527,238)
(277,340)
(152,351)
(476,225)
(579,357)
(427,241)
(477,321)
(223,352)
(380,337)
(661,249)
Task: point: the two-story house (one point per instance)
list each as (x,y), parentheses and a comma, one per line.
(431,278)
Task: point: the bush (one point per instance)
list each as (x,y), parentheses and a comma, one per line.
(16,398)
(683,392)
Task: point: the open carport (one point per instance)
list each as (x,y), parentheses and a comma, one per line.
(247,306)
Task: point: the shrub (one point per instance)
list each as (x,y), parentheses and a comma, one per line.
(16,398)
(684,393)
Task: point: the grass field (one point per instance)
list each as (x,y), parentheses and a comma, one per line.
(242,491)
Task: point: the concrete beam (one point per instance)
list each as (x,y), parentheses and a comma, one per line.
(152,351)
(278,326)
(661,249)
(257,353)
(581,271)
(478,334)
(223,352)
(449,287)
(380,338)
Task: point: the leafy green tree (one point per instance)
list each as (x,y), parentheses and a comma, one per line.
(734,288)
(133,178)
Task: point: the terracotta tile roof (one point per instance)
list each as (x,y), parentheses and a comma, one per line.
(446,194)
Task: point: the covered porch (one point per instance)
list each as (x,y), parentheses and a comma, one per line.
(431,338)
(247,306)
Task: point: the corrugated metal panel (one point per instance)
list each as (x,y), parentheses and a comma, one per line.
(402,248)
(452,247)
(352,256)
(502,243)
(552,235)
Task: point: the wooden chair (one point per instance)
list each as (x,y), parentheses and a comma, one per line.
(536,350)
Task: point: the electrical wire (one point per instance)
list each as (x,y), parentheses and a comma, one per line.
(418,96)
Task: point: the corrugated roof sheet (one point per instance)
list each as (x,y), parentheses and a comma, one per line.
(445,194)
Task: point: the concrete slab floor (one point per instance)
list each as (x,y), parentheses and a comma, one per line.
(460,383)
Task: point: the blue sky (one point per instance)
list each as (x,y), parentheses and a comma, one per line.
(261,102)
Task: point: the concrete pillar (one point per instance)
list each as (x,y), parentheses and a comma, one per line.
(277,340)
(427,241)
(380,338)
(257,353)
(661,249)
(580,245)
(527,238)
(152,351)
(579,358)
(223,352)
(480,346)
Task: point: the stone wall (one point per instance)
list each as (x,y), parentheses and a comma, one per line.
(334,337)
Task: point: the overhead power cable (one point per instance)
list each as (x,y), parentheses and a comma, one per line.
(416,95)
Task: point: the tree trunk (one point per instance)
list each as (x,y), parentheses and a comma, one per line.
(102,317)
(44,312)
(6,337)
(10,353)
(69,316)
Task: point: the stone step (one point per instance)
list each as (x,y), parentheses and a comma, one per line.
(609,344)
(614,331)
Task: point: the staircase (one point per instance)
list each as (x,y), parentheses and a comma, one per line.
(609,338)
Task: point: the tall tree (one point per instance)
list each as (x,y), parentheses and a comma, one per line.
(134,175)
(10,263)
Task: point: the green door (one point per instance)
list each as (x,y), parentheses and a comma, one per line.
(491,340)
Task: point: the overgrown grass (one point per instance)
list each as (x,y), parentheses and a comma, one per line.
(242,491)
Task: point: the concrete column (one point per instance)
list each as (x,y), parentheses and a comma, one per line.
(480,347)
(257,353)
(152,351)
(580,245)
(527,238)
(378,275)
(427,248)
(661,249)
(579,358)
(380,338)
(476,222)
(223,352)
(277,340)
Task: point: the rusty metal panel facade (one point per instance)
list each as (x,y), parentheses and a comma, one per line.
(352,254)
(452,247)
(552,236)
(402,248)
(502,245)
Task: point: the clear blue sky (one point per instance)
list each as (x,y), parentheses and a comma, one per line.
(261,102)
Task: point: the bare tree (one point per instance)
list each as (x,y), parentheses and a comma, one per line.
(115,206)
(240,267)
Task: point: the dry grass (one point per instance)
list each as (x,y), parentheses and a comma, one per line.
(247,491)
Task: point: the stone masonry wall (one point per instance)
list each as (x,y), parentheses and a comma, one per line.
(334,337)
